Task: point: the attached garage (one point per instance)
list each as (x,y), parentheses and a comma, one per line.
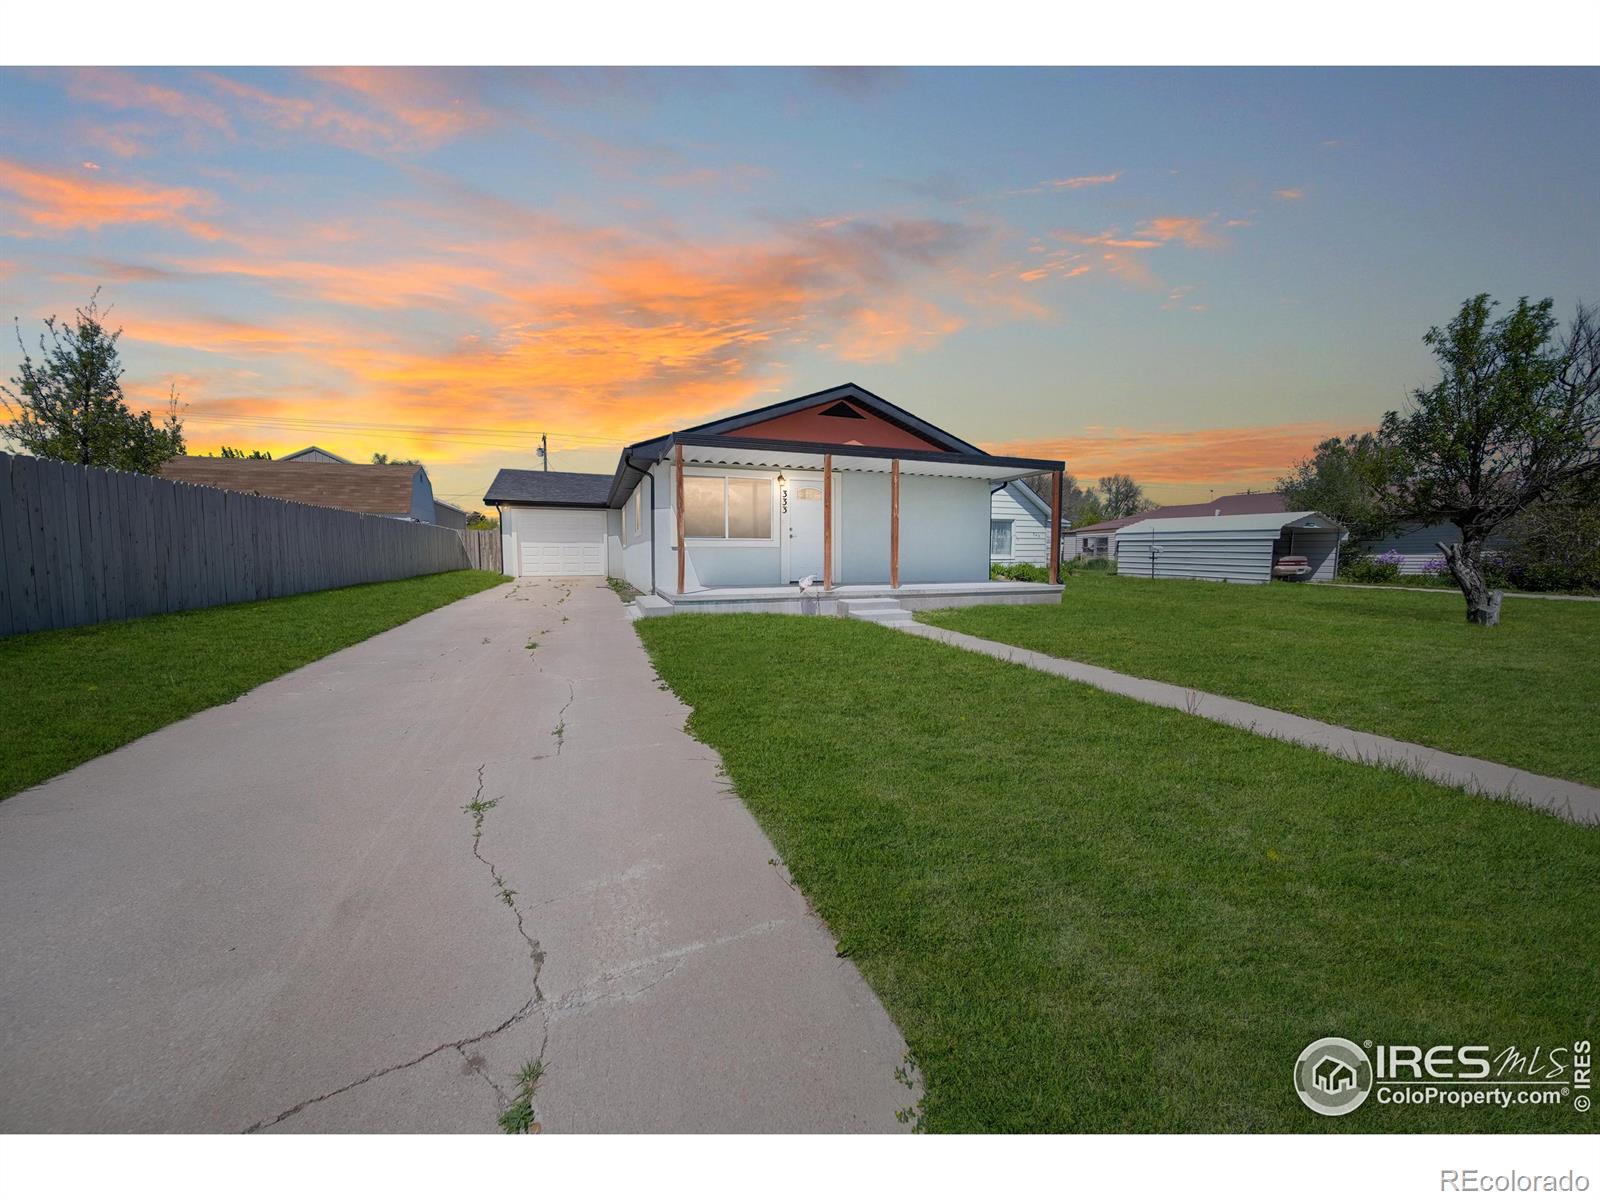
(1232,549)
(553,541)
(552,522)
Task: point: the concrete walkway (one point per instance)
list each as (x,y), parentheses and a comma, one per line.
(1574,801)
(1400,587)
(276,915)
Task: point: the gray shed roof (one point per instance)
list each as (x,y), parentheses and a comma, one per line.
(550,489)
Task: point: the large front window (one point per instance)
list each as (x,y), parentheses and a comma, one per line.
(718,506)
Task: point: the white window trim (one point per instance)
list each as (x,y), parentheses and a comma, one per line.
(633,527)
(772,482)
(1011,537)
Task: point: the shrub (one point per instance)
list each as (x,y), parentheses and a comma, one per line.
(1019,572)
(1100,564)
(1364,568)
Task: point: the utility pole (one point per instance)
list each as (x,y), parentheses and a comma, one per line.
(544,449)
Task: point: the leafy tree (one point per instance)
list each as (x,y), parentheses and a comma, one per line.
(1513,420)
(69,404)
(383,460)
(478,520)
(1123,497)
(233,452)
(1349,480)
(1079,505)
(1555,544)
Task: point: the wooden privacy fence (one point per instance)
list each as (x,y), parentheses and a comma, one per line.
(79,545)
(483,548)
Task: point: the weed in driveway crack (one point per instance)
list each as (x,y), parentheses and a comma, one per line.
(560,731)
(517,1116)
(478,808)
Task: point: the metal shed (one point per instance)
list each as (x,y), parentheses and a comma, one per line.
(1236,549)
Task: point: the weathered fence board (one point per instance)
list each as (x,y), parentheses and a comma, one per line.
(82,545)
(483,548)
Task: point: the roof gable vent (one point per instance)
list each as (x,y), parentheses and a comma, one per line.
(841,409)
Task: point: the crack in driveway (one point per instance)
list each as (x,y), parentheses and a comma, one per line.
(477,806)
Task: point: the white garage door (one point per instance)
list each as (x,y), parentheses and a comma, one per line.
(555,541)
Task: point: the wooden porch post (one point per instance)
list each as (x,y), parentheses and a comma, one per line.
(827,522)
(894,523)
(677,483)
(1055,527)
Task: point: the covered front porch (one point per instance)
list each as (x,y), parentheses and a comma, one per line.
(772,525)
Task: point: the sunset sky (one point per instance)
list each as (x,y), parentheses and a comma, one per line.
(1190,276)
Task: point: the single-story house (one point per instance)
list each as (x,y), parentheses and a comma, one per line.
(1416,546)
(314,454)
(387,491)
(831,496)
(1236,549)
(1019,525)
(1100,539)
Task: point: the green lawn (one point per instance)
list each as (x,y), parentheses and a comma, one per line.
(1090,914)
(72,694)
(1405,664)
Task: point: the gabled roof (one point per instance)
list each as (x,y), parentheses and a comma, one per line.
(851,392)
(1237,504)
(1239,522)
(1027,497)
(354,487)
(314,450)
(635,459)
(549,489)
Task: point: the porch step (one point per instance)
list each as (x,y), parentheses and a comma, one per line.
(650,606)
(879,611)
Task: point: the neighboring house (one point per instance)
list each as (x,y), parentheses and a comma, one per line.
(1236,549)
(449,515)
(314,454)
(1019,525)
(1417,545)
(1100,539)
(387,491)
(802,489)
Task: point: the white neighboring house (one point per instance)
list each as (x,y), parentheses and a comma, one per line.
(1236,549)
(1019,526)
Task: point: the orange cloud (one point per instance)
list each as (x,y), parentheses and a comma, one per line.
(124,90)
(59,203)
(423,103)
(1243,455)
(1290,193)
(882,333)
(1191,231)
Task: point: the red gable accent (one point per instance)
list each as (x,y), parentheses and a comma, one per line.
(865,429)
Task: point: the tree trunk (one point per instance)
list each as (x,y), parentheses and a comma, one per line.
(1465,560)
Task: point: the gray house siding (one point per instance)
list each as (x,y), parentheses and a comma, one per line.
(1416,545)
(1227,557)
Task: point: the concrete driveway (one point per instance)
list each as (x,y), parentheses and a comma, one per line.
(275,915)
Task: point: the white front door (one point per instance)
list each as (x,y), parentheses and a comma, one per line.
(801,503)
